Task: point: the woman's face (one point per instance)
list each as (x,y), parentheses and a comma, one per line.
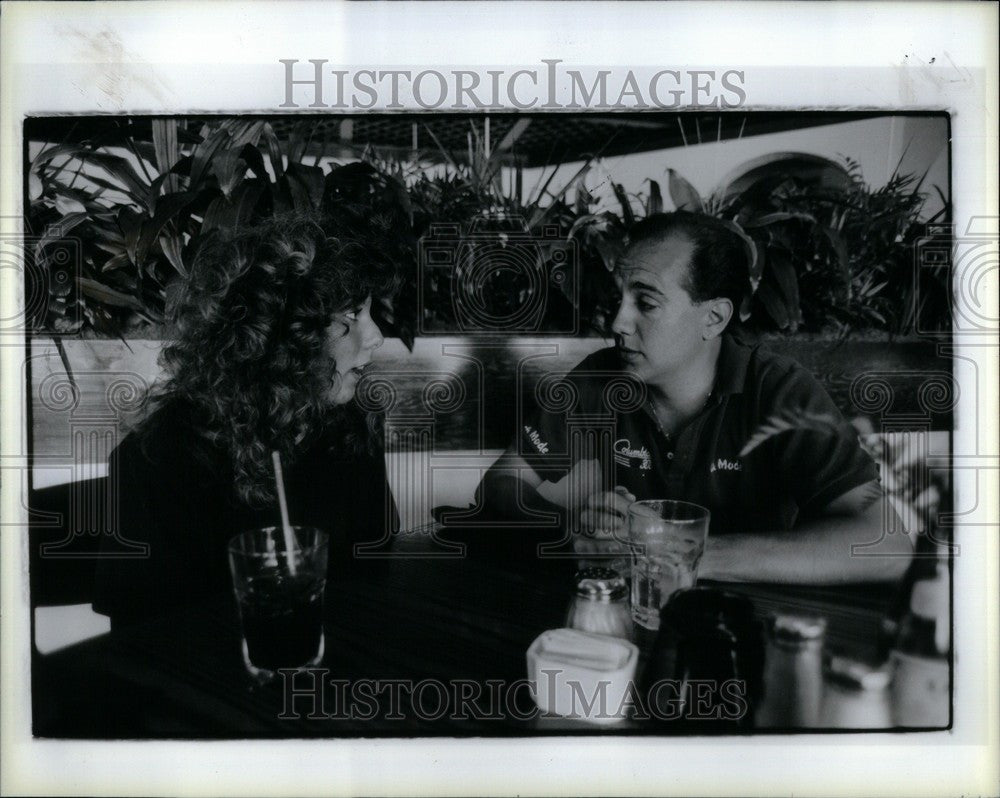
(351,339)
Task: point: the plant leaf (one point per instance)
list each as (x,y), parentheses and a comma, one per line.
(121,170)
(685,197)
(773,304)
(843,257)
(297,192)
(311,179)
(232,213)
(255,161)
(245,199)
(244,132)
(165,150)
(274,151)
(36,188)
(788,281)
(109,296)
(790,421)
(171,244)
(115,262)
(654,203)
(628,216)
(59,230)
(167,207)
(66,205)
(229,168)
(778,216)
(755,255)
(204,153)
(130,223)
(610,251)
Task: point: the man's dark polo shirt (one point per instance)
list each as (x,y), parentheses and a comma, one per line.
(792,474)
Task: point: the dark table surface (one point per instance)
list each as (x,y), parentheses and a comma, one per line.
(429,645)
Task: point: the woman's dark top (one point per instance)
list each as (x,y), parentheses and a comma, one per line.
(174,492)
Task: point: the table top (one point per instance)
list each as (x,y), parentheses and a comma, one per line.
(419,642)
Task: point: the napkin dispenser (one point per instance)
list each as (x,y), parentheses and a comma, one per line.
(582,675)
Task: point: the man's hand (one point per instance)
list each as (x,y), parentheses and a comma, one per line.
(604,523)
(572,491)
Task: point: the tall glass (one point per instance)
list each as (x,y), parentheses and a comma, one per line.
(666,539)
(280,598)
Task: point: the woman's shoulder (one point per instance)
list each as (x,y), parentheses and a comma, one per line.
(168,436)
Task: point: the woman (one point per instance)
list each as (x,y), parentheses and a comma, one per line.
(274,331)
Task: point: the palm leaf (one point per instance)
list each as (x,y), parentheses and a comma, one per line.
(790,421)
(628,215)
(778,216)
(166,150)
(109,296)
(683,194)
(654,203)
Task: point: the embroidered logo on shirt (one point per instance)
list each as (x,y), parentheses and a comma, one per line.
(722,464)
(625,454)
(536,439)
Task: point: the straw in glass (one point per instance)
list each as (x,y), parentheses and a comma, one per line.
(286,526)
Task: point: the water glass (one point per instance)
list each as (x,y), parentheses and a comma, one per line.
(280,598)
(666,539)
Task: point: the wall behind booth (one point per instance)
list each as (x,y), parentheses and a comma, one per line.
(452,405)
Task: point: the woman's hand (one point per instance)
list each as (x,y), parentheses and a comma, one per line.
(603,525)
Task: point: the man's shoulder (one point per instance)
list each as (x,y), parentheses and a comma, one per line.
(778,380)
(583,388)
(602,364)
(771,370)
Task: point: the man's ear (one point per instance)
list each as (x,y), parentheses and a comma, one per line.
(718,312)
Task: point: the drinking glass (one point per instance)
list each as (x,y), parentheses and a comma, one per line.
(280,598)
(666,539)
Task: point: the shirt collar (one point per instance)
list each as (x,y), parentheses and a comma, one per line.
(731,369)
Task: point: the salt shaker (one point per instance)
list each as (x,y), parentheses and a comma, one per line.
(856,695)
(793,672)
(600,604)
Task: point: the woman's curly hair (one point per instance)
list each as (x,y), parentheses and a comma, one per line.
(251,325)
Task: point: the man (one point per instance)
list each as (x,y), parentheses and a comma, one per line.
(750,435)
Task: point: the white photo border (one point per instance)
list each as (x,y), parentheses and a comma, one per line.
(163,57)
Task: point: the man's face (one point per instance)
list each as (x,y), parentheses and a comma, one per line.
(658,328)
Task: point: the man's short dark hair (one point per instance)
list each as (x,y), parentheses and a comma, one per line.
(719,265)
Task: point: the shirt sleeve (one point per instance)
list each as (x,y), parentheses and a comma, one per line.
(817,451)
(543,443)
(570,418)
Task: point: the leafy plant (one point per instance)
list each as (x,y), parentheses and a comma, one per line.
(829,253)
(140,209)
(524,234)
